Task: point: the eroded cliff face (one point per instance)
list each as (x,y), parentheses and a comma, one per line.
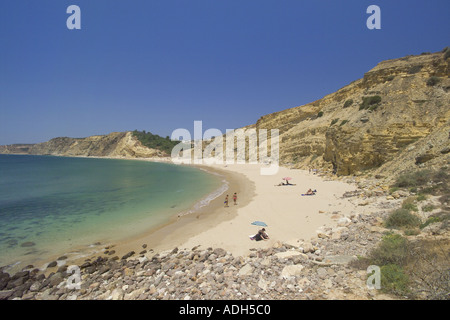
(16,149)
(394,118)
(372,121)
(116,144)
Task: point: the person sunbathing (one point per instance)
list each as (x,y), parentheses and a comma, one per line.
(261,235)
(285,184)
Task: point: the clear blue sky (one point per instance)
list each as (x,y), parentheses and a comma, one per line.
(158,65)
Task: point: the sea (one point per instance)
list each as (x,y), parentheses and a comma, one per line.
(51,204)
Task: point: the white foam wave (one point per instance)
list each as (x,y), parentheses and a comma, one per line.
(207,200)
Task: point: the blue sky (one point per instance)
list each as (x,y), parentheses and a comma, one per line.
(159,65)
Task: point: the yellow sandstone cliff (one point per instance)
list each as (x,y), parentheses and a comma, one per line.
(399,110)
(395,118)
(116,144)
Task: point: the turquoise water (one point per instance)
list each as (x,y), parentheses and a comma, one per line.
(51,204)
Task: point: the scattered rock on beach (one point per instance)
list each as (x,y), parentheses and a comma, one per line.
(245,270)
(307,247)
(291,270)
(28,244)
(319,268)
(128,255)
(285,271)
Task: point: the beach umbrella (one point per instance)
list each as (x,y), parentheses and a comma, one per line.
(259,223)
(287,178)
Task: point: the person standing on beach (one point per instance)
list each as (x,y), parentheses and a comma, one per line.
(226,201)
(235,198)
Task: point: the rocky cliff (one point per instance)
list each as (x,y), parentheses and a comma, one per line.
(16,149)
(397,116)
(116,144)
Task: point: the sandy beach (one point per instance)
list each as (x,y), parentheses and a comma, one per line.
(289,215)
(207,254)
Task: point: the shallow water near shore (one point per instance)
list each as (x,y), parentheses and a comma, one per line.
(49,205)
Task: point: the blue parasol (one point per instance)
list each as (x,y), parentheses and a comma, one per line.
(259,223)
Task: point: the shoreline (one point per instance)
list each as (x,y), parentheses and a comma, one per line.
(181,228)
(313,242)
(157,238)
(229,228)
(288,215)
(216,226)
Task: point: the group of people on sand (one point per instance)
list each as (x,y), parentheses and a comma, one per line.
(261,235)
(234,199)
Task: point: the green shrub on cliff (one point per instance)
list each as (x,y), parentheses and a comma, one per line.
(370,103)
(402,218)
(155,141)
(432,81)
(390,77)
(415,69)
(334,121)
(409,204)
(393,249)
(394,280)
(446,52)
(348,103)
(413,179)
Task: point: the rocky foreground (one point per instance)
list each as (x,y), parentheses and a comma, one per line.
(316,269)
(324,267)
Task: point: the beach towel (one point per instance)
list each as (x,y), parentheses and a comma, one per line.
(304,194)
